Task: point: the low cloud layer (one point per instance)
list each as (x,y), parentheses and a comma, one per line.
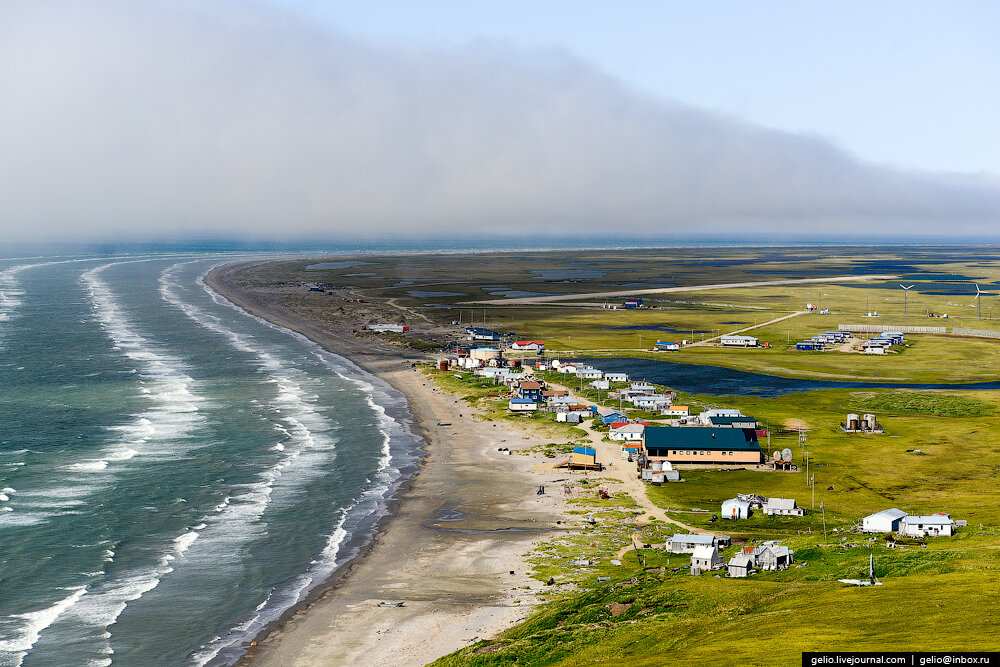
(171,119)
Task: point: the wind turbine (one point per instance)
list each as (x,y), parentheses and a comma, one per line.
(906,293)
(979,310)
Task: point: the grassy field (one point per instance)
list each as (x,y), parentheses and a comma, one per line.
(654,612)
(938,452)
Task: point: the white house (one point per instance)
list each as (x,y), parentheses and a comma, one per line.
(739,341)
(600,384)
(642,388)
(734,508)
(616,377)
(740,565)
(568,368)
(686,543)
(676,411)
(654,402)
(919,526)
(528,345)
(886,521)
(589,373)
(627,432)
(522,405)
(782,507)
(706,557)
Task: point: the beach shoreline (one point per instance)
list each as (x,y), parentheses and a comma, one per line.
(451,546)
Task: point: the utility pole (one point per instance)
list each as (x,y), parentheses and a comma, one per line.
(822,506)
(814,491)
(807,468)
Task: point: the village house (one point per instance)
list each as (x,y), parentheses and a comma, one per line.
(921,526)
(589,373)
(706,557)
(886,521)
(529,389)
(609,415)
(627,432)
(642,388)
(782,507)
(528,346)
(676,411)
(522,405)
(616,377)
(741,421)
(603,385)
(686,543)
(774,556)
(651,402)
(740,565)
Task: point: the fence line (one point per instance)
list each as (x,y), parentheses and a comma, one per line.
(879,328)
(983,333)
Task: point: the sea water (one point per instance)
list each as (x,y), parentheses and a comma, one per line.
(174,473)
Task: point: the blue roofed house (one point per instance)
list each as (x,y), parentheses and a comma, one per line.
(610,415)
(522,405)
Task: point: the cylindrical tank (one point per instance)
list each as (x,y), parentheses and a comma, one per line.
(657,466)
(443,365)
(870,420)
(853,421)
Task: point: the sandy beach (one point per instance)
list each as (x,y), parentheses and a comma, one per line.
(452,550)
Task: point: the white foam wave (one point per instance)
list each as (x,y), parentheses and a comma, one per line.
(88,466)
(183,542)
(7,489)
(34,623)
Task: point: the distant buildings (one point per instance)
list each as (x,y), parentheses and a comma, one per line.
(895,520)
(733,340)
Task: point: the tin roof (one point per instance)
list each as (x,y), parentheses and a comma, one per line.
(663,437)
(692,539)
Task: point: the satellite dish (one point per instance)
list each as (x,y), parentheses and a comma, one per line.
(777,456)
(556,363)
(667,465)
(786,455)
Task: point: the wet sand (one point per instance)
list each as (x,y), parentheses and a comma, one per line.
(459,528)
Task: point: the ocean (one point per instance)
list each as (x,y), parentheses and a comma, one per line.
(174,473)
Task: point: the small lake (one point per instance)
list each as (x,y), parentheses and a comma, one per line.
(718,381)
(421,294)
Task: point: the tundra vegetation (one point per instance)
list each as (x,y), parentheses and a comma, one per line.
(938,452)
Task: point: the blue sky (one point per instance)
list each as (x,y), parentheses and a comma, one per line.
(908,83)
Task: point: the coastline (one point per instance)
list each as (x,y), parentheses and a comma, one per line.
(455,532)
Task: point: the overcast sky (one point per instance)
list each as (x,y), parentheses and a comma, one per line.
(232,119)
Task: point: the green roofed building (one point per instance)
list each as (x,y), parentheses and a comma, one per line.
(725,446)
